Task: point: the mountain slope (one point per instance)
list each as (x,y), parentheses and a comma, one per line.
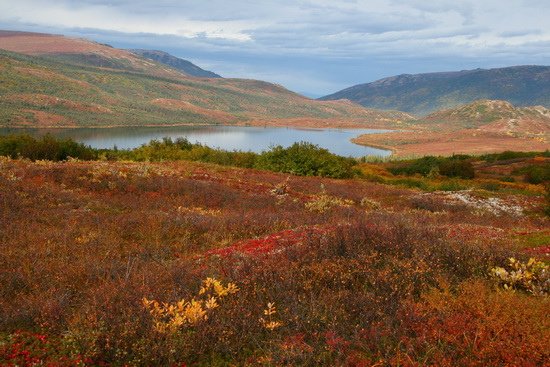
(82,52)
(482,126)
(182,65)
(65,86)
(422,94)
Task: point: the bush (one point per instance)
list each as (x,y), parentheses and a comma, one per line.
(306,159)
(421,166)
(537,174)
(456,168)
(44,148)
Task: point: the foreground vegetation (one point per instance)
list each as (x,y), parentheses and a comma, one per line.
(193,263)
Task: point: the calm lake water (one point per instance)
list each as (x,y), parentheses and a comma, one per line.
(254,139)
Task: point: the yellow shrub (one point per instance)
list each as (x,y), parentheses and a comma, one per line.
(171,317)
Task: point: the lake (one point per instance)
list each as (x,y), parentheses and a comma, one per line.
(254,139)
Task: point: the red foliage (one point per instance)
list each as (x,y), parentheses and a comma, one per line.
(32,349)
(273,243)
(541,250)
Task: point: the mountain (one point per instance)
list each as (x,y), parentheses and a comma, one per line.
(482,126)
(421,94)
(182,65)
(55,81)
(79,51)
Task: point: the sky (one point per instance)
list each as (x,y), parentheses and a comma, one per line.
(313,47)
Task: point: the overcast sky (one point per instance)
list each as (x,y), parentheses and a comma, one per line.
(313,47)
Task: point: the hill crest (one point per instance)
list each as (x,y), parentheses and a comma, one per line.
(422,94)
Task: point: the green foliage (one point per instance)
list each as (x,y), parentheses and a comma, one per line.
(421,166)
(535,174)
(454,166)
(44,148)
(303,159)
(506,155)
(306,159)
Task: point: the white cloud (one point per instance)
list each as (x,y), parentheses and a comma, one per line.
(357,36)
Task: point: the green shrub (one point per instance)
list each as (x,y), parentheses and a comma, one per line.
(536,174)
(306,159)
(421,166)
(456,168)
(46,147)
(452,186)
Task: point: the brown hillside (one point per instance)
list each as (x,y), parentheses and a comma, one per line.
(483,126)
(80,50)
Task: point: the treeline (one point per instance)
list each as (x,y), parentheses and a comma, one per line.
(304,159)
(44,148)
(461,166)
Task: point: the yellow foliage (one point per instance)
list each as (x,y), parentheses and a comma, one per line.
(532,276)
(270,324)
(325,202)
(171,317)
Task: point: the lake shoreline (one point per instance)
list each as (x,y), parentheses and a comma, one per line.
(227,137)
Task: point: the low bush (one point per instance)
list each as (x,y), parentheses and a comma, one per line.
(306,159)
(44,148)
(535,174)
(454,166)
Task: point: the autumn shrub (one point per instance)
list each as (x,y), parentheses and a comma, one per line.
(456,168)
(86,242)
(306,159)
(474,326)
(433,204)
(25,349)
(532,276)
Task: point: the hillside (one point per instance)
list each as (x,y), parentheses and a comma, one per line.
(182,65)
(82,52)
(480,127)
(64,82)
(421,94)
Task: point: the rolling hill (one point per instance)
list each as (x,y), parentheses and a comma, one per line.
(56,81)
(187,67)
(482,126)
(422,94)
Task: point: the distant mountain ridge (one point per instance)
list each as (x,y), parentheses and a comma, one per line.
(421,94)
(177,63)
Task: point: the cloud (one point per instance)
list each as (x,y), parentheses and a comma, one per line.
(306,44)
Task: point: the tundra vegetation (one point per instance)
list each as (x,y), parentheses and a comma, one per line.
(178,254)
